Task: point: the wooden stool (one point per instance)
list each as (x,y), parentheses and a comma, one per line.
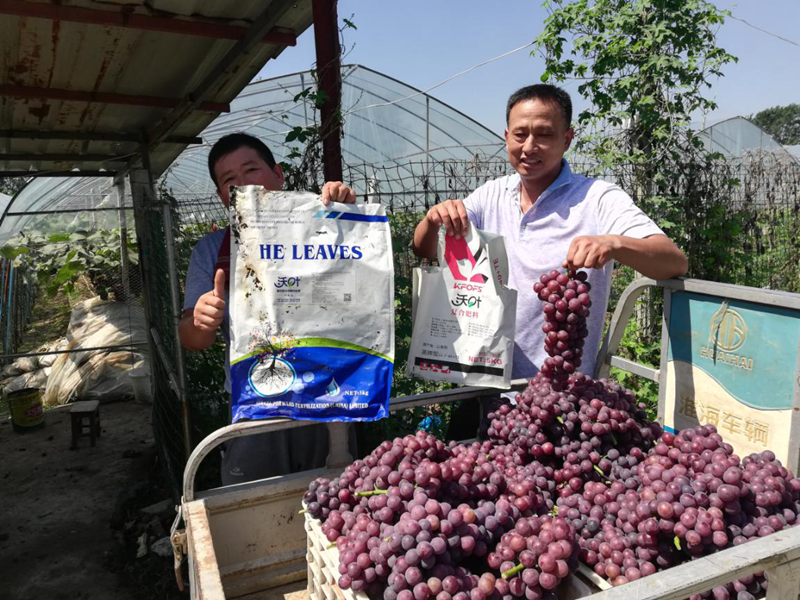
(85,415)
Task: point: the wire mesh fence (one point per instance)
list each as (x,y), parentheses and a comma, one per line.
(17,296)
(762,209)
(416,186)
(737,221)
(765,202)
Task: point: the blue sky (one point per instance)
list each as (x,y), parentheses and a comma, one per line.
(423,43)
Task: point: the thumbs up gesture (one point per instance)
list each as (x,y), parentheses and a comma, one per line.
(210,308)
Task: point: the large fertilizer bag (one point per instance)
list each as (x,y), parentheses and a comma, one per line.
(312,308)
(464,313)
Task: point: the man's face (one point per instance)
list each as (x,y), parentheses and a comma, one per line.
(244,166)
(537,138)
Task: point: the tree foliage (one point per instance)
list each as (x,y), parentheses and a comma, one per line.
(11,185)
(781,122)
(645,67)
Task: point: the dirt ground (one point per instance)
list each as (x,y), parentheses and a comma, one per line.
(59,505)
(71,521)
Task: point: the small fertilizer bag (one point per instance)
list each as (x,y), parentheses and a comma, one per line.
(463,313)
(312,308)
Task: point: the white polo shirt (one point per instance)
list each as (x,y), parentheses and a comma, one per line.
(538,241)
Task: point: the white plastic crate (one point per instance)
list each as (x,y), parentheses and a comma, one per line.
(323,566)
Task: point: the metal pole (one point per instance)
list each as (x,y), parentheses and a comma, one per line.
(9,306)
(329,72)
(427,148)
(132,345)
(175,300)
(304,100)
(3,308)
(119,188)
(177,313)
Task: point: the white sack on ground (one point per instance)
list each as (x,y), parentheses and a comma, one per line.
(34,379)
(27,364)
(11,370)
(48,359)
(96,323)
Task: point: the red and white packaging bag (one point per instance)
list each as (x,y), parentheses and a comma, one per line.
(464,314)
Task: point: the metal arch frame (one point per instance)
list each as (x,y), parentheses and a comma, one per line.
(353,68)
(357,66)
(95,175)
(338,454)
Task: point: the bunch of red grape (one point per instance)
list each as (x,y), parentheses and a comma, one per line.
(579,430)
(535,556)
(690,497)
(566,303)
(572,470)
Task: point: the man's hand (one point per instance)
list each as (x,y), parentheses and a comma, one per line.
(210,308)
(654,256)
(336,191)
(591,251)
(451,215)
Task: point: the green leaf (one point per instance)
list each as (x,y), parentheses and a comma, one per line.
(303,94)
(11,253)
(349,24)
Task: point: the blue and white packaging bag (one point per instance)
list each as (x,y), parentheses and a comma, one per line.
(311,307)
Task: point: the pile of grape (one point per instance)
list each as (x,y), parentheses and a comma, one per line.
(566,303)
(572,471)
(579,429)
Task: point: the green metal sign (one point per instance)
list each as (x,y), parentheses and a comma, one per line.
(750,350)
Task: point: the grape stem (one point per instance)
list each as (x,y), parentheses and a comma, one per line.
(331,545)
(514,571)
(372,493)
(302,512)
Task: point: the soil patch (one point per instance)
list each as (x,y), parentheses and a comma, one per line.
(70,517)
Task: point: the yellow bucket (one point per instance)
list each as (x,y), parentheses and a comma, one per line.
(26,409)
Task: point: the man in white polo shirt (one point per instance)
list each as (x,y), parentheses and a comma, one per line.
(552,218)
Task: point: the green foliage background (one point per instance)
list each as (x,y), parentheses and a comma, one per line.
(781,122)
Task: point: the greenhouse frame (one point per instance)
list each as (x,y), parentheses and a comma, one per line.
(400,146)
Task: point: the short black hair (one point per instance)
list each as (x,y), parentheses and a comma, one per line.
(546,93)
(232,142)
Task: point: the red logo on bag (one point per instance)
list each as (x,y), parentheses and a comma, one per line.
(456,250)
